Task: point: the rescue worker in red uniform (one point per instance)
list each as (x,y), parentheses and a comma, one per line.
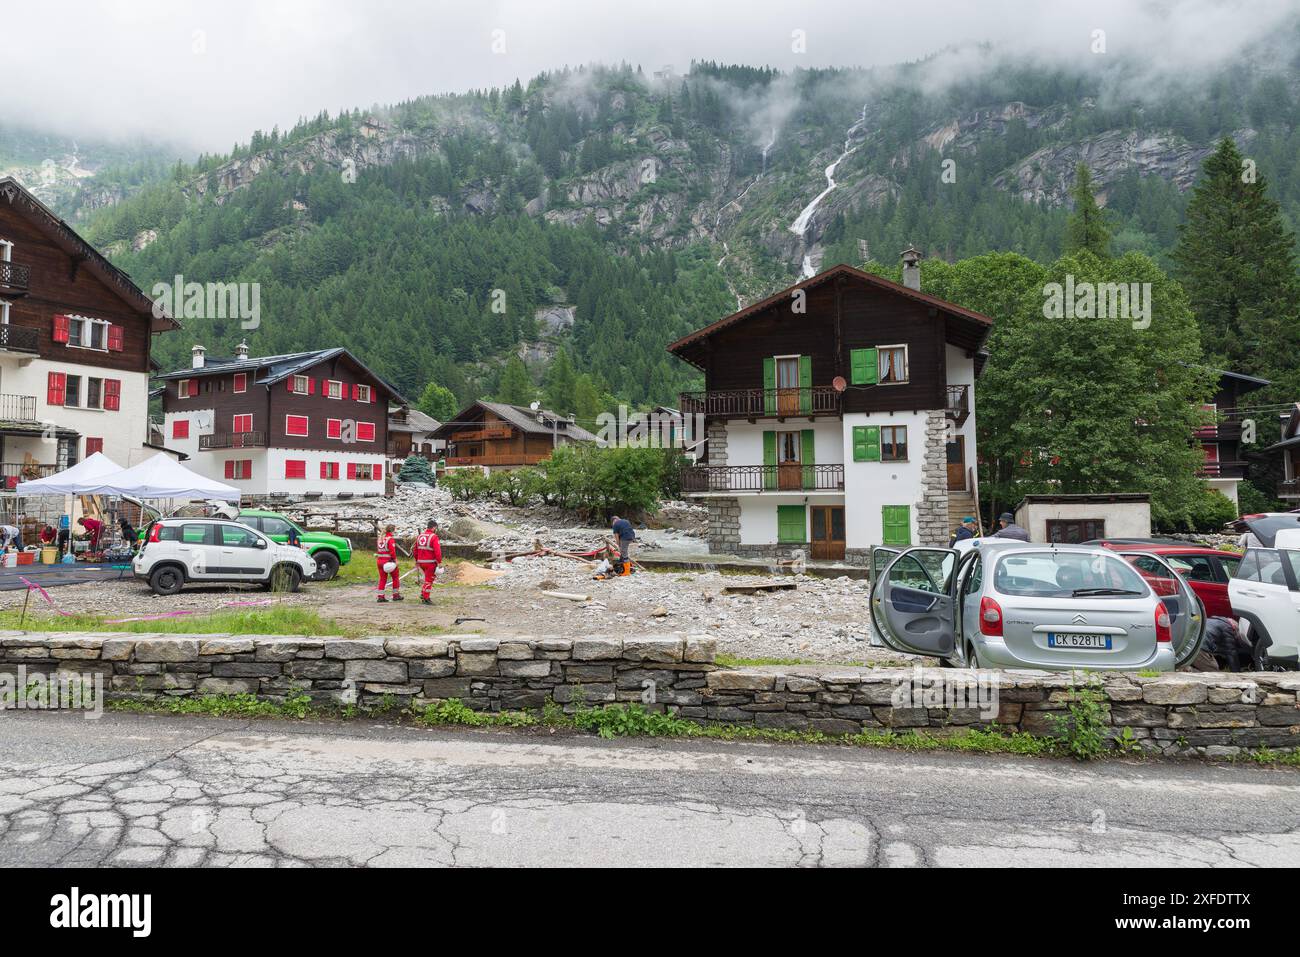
(428,553)
(386,560)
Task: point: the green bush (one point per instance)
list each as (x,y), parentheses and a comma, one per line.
(416,470)
(465,484)
(1253,500)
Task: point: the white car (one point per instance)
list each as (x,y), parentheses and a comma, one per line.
(1265,594)
(177,551)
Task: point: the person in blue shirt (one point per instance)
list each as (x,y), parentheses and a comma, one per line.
(625,534)
(964,531)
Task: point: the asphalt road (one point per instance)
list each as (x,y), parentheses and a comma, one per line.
(146,789)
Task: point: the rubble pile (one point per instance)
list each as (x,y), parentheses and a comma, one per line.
(822,619)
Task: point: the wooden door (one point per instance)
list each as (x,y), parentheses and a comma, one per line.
(789,461)
(957,464)
(827,538)
(787,384)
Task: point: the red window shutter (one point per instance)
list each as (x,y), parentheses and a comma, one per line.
(194,388)
(352,470)
(113,394)
(289,382)
(115,337)
(230,468)
(373,397)
(241,381)
(181,429)
(311,386)
(93,446)
(356,391)
(55,385)
(248,468)
(378,473)
(324,470)
(60,328)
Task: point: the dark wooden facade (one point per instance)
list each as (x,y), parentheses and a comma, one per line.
(1224,436)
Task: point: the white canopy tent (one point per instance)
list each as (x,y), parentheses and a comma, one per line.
(72,481)
(161,477)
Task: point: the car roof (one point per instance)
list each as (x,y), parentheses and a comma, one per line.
(1188,549)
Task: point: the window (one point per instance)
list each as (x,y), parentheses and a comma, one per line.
(295,425)
(333,428)
(1229,563)
(238,536)
(893,443)
(896,525)
(300,384)
(295,469)
(180,428)
(187,388)
(241,382)
(6,250)
(239,469)
(329,470)
(93,446)
(87,333)
(787,447)
(1061,574)
(242,424)
(189,534)
(94,393)
(791,524)
(4,312)
(1197,568)
(333,389)
(893,364)
(276,526)
(365,431)
(361,393)
(72,397)
(1075,531)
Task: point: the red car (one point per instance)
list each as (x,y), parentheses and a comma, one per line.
(1207,570)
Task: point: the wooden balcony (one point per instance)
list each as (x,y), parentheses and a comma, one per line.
(1222,470)
(1289,488)
(957,403)
(19,338)
(762,403)
(18,408)
(14,279)
(232,440)
(697,479)
(482,435)
(498,461)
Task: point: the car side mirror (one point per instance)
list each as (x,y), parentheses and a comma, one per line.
(261,543)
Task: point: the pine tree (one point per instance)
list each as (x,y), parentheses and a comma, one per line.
(516,387)
(1236,260)
(1086,228)
(558,391)
(437,401)
(415,469)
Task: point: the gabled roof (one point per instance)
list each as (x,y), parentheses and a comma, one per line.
(541,422)
(984,323)
(67,238)
(274,369)
(416,421)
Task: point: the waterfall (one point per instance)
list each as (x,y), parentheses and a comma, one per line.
(800,226)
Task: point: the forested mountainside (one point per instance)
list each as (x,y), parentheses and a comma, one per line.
(617,209)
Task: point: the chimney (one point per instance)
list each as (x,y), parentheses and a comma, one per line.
(241,350)
(912,268)
(198,352)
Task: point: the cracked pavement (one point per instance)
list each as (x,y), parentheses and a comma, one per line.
(184,791)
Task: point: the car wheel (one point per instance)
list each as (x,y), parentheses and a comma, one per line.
(972,656)
(167,580)
(327,566)
(284,578)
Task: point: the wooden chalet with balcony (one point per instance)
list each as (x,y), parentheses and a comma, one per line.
(493,435)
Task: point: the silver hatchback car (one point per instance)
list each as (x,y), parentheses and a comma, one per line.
(1007,604)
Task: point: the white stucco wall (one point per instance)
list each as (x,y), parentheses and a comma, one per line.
(124,431)
(1228,487)
(758,514)
(871,485)
(1123,519)
(961,371)
(745,440)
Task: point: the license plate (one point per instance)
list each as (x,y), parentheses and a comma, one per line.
(1069,639)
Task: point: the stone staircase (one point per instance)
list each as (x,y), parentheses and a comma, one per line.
(960,504)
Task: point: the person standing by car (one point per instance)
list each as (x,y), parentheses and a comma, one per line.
(1009,528)
(428,553)
(964,531)
(292,538)
(626,535)
(386,560)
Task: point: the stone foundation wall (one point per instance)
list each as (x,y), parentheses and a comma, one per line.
(932,506)
(723,530)
(1206,713)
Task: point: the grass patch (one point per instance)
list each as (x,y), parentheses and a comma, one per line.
(735,661)
(363,571)
(220,706)
(454,711)
(271,620)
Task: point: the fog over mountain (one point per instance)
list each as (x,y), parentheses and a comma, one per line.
(203,76)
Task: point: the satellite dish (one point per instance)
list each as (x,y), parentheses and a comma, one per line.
(534,405)
(838,383)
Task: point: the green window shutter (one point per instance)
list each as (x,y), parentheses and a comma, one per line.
(864,368)
(866,443)
(791,524)
(769,385)
(805,384)
(896,525)
(808,457)
(769,460)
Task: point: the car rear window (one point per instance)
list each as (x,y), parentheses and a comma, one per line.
(1061,574)
(187,533)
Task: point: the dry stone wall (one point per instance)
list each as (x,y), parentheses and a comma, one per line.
(1206,713)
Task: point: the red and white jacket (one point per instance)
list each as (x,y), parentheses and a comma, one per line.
(427,548)
(387,550)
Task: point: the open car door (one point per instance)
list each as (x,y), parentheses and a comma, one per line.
(1186,613)
(912,605)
